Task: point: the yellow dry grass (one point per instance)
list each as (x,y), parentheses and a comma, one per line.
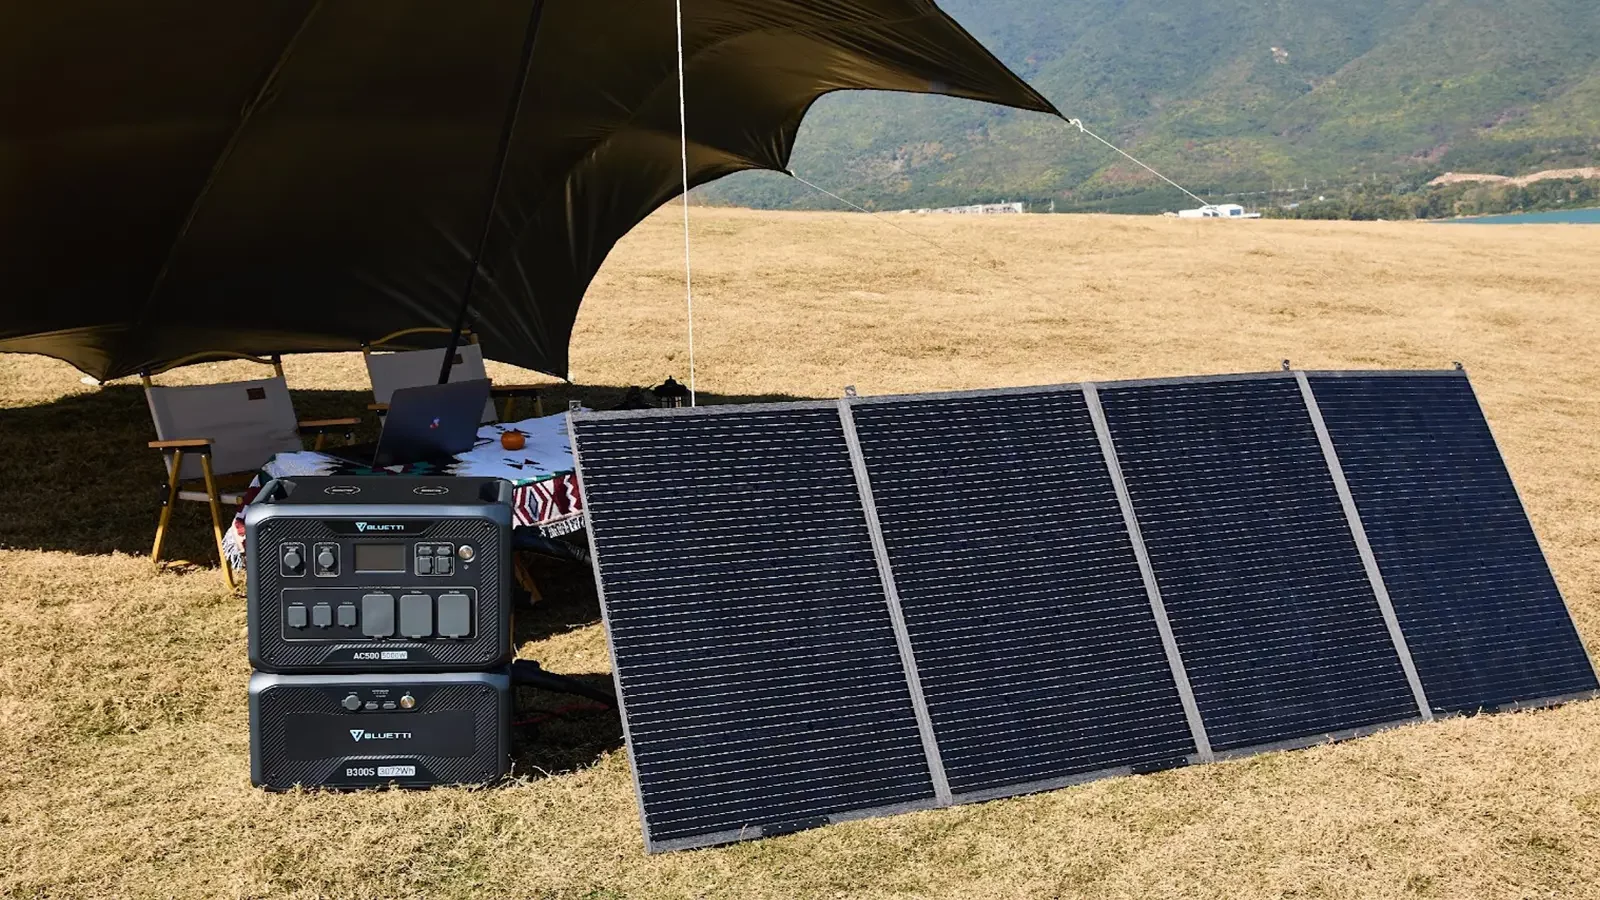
(123,746)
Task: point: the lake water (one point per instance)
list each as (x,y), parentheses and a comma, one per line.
(1556,217)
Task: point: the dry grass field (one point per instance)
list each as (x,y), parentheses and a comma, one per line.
(123,736)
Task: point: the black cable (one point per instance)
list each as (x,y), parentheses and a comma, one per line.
(531,540)
(527,673)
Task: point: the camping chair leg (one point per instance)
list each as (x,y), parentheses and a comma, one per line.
(166,509)
(538,406)
(216,521)
(322,439)
(505,411)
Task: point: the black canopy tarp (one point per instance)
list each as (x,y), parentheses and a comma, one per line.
(275,176)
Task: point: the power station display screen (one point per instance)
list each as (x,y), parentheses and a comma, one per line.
(380,557)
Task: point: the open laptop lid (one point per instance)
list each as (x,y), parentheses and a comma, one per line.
(435,421)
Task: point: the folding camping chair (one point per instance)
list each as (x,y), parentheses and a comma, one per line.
(205,432)
(393,370)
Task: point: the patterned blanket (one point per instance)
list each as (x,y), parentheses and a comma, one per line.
(545,486)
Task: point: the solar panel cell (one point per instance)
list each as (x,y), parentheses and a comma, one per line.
(1034,639)
(762,685)
(1472,591)
(1277,623)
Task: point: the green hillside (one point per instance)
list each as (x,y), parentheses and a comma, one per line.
(1226,96)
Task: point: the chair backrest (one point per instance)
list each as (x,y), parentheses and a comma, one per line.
(249,421)
(418,368)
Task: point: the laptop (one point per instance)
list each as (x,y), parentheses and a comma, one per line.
(428,423)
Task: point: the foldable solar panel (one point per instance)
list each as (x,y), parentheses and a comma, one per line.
(761,683)
(1482,614)
(821,611)
(1278,624)
(1034,638)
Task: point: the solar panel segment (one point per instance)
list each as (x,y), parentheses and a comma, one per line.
(761,682)
(1033,636)
(1278,624)
(1470,586)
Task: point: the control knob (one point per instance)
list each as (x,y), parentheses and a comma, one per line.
(351,703)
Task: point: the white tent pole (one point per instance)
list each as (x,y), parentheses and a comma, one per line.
(683,137)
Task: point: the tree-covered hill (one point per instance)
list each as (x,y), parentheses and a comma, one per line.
(1226,96)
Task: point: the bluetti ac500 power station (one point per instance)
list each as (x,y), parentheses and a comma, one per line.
(380,631)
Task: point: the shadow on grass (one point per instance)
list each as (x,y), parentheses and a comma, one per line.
(558,732)
(554,733)
(78,475)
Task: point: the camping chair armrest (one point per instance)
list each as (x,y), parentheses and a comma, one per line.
(515,390)
(323,426)
(201,445)
(378,407)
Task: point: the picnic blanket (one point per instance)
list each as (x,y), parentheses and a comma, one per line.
(545,491)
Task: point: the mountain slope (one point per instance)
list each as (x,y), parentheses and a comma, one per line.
(1224,95)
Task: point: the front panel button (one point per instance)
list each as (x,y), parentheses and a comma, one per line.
(351,703)
(377,615)
(416,615)
(297,616)
(327,560)
(322,615)
(293,558)
(347,615)
(455,615)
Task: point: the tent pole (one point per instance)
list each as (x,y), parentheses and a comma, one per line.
(513,106)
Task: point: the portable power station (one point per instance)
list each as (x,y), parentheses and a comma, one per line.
(379,574)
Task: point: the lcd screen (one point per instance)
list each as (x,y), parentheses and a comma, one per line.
(380,557)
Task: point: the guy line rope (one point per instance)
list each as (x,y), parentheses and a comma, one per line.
(683,141)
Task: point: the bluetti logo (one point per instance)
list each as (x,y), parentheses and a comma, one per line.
(379,526)
(361,734)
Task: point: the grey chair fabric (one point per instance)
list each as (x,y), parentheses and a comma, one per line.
(249,421)
(415,368)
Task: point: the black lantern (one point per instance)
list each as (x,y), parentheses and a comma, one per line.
(670,394)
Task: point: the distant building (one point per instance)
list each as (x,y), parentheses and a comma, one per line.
(1219,211)
(981,209)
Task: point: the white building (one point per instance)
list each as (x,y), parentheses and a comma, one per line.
(1218,211)
(982,209)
